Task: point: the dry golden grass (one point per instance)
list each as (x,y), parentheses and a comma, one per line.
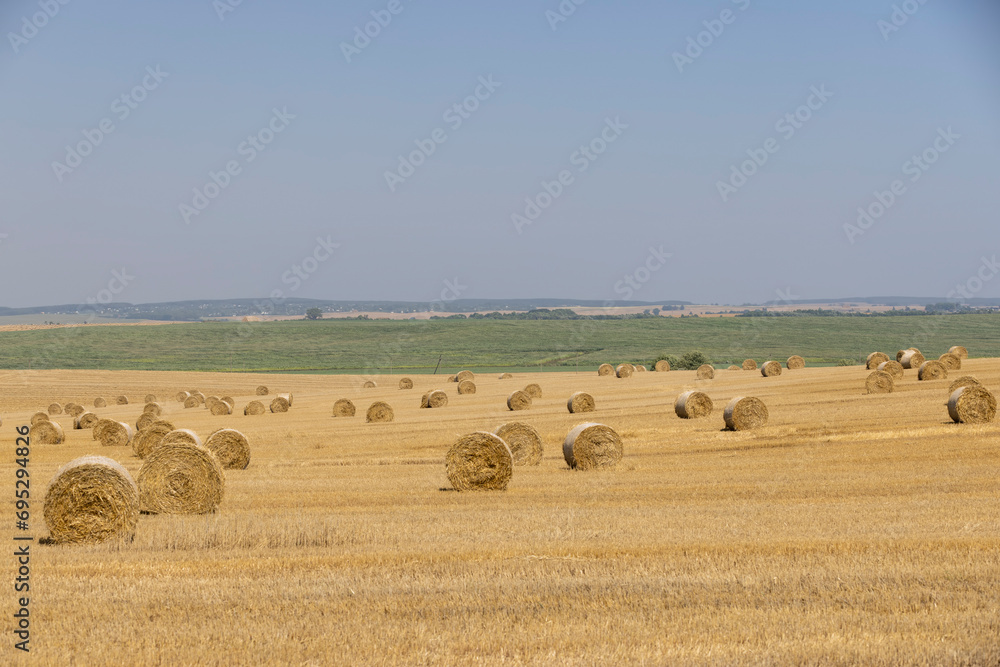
(851,529)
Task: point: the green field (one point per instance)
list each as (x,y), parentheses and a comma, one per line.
(352,346)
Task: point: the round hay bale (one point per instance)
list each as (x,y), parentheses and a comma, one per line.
(405,383)
(435,399)
(46,433)
(581,401)
(465,375)
(230,401)
(912,359)
(693,404)
(964,381)
(182,396)
(506,376)
(121,400)
(100,403)
(279,404)
(590,446)
(198,396)
(662,366)
(959,351)
(147,439)
(100,426)
(734,368)
(144,420)
(182,435)
(524,442)
(451,378)
(261,390)
(795,363)
(880,382)
(287,397)
(150,398)
(39,417)
(518,401)
(369,384)
(113,433)
(876,358)
(466,387)
(91,499)
(220,408)
(893,368)
(344,408)
(952,362)
(254,408)
(533,390)
(180,478)
(625,370)
(231,448)
(706,372)
(74,409)
(479,462)
(191,402)
(86,420)
(379,412)
(932,370)
(972,404)
(770,369)
(605,370)
(639,368)
(55,409)
(745,413)
(211,400)
(154,408)
(749,365)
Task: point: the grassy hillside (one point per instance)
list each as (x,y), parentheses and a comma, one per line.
(415,346)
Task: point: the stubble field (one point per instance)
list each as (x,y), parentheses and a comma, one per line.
(852,528)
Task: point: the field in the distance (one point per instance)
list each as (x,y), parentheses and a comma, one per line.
(852,529)
(343,346)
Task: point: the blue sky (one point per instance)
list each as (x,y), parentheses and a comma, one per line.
(680,131)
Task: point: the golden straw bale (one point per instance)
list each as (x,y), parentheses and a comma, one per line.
(91,499)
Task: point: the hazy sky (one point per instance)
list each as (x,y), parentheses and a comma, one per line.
(94,183)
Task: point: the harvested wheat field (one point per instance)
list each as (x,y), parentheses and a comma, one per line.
(851,528)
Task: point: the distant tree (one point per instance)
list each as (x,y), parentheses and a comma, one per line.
(656,311)
(314,314)
(691,361)
(670,359)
